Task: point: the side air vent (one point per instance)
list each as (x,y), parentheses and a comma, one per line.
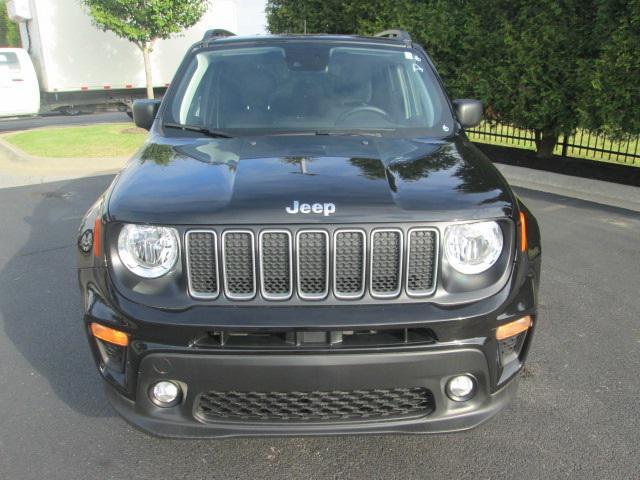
(386,262)
(349,263)
(238,264)
(313,264)
(275,264)
(202,264)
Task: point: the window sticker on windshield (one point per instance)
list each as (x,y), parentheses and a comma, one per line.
(417,68)
(408,55)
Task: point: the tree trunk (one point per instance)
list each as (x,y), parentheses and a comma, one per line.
(545,143)
(146,50)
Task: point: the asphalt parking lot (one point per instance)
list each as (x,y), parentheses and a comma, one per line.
(577,413)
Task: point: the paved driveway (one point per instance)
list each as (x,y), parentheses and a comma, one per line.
(577,414)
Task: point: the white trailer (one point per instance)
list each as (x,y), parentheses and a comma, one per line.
(80,67)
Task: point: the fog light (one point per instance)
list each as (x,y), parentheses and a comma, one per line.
(165,394)
(461,388)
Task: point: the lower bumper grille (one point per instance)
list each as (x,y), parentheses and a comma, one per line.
(315,406)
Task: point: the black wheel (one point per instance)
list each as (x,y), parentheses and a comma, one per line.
(71,111)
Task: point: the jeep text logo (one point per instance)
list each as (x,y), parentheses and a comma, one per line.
(324,208)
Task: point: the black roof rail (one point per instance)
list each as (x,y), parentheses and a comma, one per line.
(217,33)
(396,35)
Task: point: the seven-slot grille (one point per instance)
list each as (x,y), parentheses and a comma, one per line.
(311,263)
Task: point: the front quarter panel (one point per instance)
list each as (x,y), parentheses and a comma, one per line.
(90,241)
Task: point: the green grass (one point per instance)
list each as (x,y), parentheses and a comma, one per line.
(93,141)
(486,133)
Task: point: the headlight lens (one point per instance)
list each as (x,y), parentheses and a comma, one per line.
(148,251)
(473,247)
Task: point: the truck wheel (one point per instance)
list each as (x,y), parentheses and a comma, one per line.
(70,111)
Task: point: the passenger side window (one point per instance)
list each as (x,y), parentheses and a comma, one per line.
(9,59)
(9,63)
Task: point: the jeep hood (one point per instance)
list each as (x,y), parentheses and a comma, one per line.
(252,181)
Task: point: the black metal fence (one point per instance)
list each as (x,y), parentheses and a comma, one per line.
(582,144)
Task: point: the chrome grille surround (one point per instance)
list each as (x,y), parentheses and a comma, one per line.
(325,291)
(375,277)
(341,294)
(193,290)
(411,267)
(264,291)
(226,268)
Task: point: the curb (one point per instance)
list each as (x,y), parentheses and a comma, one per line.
(11,153)
(18,169)
(597,191)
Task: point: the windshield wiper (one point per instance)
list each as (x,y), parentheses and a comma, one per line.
(303,133)
(196,128)
(347,134)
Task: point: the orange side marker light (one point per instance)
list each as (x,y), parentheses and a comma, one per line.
(514,328)
(110,335)
(96,237)
(523,233)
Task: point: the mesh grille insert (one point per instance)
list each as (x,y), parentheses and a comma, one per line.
(315,406)
(202,263)
(276,263)
(238,264)
(386,260)
(349,263)
(421,261)
(312,264)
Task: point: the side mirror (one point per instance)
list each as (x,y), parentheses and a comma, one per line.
(144,112)
(468,111)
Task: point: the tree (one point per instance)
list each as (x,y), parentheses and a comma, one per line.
(528,56)
(9,34)
(538,64)
(145,21)
(314,16)
(612,102)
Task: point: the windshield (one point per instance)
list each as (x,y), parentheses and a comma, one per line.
(311,87)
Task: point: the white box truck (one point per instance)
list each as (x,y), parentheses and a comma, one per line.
(80,67)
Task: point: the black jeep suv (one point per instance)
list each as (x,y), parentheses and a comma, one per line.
(308,244)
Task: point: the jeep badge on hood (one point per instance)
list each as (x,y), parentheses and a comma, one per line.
(324,208)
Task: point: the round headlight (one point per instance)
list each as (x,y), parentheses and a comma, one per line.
(473,247)
(148,251)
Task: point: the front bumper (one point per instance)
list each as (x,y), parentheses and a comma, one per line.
(163,346)
(284,373)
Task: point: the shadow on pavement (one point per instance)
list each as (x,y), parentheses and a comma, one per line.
(40,304)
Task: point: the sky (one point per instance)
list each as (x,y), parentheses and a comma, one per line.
(251,16)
